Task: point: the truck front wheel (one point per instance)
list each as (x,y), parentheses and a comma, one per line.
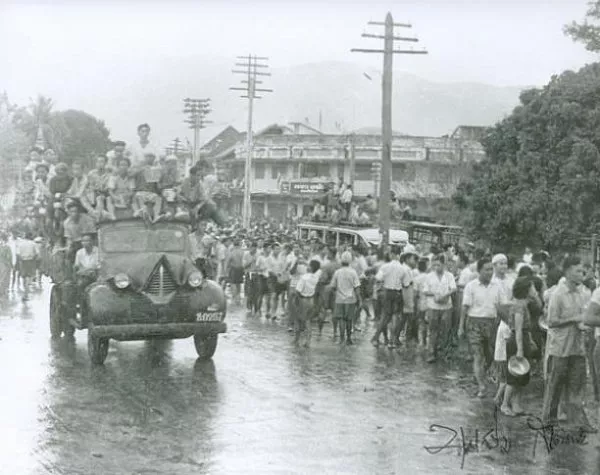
(97,348)
(206,345)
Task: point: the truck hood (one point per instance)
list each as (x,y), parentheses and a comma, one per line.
(139,267)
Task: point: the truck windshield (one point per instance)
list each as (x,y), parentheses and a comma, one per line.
(143,240)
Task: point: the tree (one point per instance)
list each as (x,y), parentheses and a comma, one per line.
(86,136)
(73,134)
(587,32)
(13,147)
(540,182)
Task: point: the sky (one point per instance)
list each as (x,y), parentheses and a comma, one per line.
(68,49)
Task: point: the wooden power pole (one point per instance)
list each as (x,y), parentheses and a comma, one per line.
(250,69)
(386,114)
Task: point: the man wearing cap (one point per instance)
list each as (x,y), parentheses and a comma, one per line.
(346,284)
(501,276)
(482,300)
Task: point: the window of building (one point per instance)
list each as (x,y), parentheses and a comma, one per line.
(323,169)
(403,172)
(362,171)
(309,170)
(259,170)
(278,169)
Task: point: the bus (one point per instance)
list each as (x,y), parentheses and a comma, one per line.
(365,238)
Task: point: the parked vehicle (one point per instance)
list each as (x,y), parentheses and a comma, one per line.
(364,237)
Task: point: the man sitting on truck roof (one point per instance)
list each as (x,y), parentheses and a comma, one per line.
(147,202)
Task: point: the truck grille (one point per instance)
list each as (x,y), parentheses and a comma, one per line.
(161,282)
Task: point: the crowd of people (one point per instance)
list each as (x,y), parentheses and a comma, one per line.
(339,205)
(514,313)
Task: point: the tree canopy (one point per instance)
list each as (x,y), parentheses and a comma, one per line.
(540,182)
(73,134)
(587,32)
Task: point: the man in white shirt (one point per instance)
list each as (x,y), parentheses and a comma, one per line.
(139,148)
(394,277)
(501,276)
(86,268)
(27,255)
(438,288)
(305,290)
(482,299)
(346,284)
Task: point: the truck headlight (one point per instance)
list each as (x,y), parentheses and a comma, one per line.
(121,281)
(195,279)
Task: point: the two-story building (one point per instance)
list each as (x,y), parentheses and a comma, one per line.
(291,164)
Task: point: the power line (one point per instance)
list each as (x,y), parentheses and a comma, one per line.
(252,67)
(196,111)
(386,113)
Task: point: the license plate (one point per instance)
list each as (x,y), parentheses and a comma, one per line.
(209,316)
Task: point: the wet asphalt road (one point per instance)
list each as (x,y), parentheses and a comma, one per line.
(260,407)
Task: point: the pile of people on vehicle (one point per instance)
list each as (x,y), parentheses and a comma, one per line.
(62,204)
(338,205)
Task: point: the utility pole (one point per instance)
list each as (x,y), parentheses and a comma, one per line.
(250,69)
(386,114)
(352,153)
(196,111)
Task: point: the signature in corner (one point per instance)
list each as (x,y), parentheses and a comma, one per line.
(554,436)
(492,439)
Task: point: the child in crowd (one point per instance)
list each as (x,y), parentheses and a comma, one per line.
(500,361)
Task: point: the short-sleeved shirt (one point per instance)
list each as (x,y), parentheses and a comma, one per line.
(135,151)
(418,284)
(439,286)
(466,275)
(506,284)
(122,188)
(394,276)
(483,300)
(307,283)
(98,181)
(85,260)
(596,299)
(345,280)
(566,304)
(75,231)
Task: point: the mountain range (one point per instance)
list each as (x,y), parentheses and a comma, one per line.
(336,97)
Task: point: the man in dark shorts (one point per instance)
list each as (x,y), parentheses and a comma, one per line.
(346,284)
(235,270)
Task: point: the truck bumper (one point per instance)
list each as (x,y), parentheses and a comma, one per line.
(143,331)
